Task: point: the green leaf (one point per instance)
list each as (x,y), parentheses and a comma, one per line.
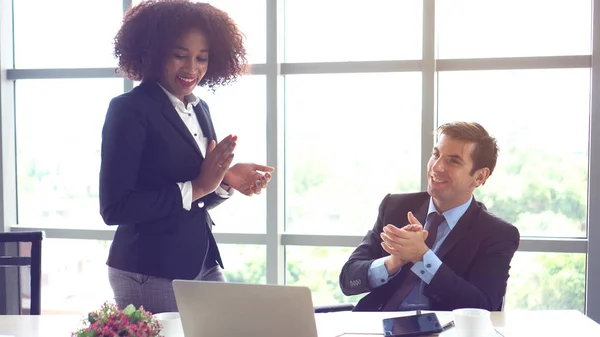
(130,309)
(86,333)
(136,316)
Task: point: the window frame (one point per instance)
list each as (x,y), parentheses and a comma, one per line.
(275,238)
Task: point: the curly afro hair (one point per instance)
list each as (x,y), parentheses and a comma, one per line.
(150,29)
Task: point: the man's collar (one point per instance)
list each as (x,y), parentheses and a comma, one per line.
(452,215)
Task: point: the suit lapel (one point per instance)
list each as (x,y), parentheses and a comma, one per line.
(460,230)
(205,122)
(421,214)
(170,114)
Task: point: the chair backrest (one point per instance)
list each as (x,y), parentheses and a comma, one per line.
(333,308)
(34,261)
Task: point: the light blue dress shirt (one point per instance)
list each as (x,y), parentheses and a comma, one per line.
(425,269)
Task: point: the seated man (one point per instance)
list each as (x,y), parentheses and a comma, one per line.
(462,256)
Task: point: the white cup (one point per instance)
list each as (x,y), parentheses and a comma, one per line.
(472,322)
(171,324)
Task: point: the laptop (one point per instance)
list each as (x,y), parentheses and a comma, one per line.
(220,309)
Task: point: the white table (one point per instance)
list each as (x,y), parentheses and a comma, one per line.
(511,324)
(564,323)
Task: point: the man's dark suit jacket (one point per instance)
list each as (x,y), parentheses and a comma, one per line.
(476,258)
(146,150)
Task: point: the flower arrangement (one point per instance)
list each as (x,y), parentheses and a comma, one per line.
(109,321)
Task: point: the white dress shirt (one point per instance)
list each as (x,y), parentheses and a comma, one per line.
(188,116)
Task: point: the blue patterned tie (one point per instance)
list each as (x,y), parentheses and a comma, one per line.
(433,222)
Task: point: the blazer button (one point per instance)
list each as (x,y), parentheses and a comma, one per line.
(201,204)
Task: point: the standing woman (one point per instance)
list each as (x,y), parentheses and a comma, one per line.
(162,168)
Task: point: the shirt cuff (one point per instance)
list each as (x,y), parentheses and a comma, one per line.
(186,194)
(378,274)
(223,193)
(427,268)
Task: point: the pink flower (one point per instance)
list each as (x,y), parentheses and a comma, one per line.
(109,321)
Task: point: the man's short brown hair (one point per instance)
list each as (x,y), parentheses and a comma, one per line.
(485,152)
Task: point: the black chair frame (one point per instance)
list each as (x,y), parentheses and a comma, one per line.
(333,308)
(35,262)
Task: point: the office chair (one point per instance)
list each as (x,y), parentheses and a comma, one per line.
(34,261)
(334,308)
(350,307)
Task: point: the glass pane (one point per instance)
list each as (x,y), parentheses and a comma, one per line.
(251,17)
(350,140)
(58,149)
(74,276)
(319,269)
(501,28)
(546,281)
(538,281)
(317,31)
(240,109)
(541,120)
(66,33)
(244,263)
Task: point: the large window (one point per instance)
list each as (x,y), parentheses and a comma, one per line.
(244,116)
(74,273)
(250,16)
(344,152)
(343,99)
(318,268)
(513,28)
(351,30)
(58,127)
(75,33)
(541,281)
(540,183)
